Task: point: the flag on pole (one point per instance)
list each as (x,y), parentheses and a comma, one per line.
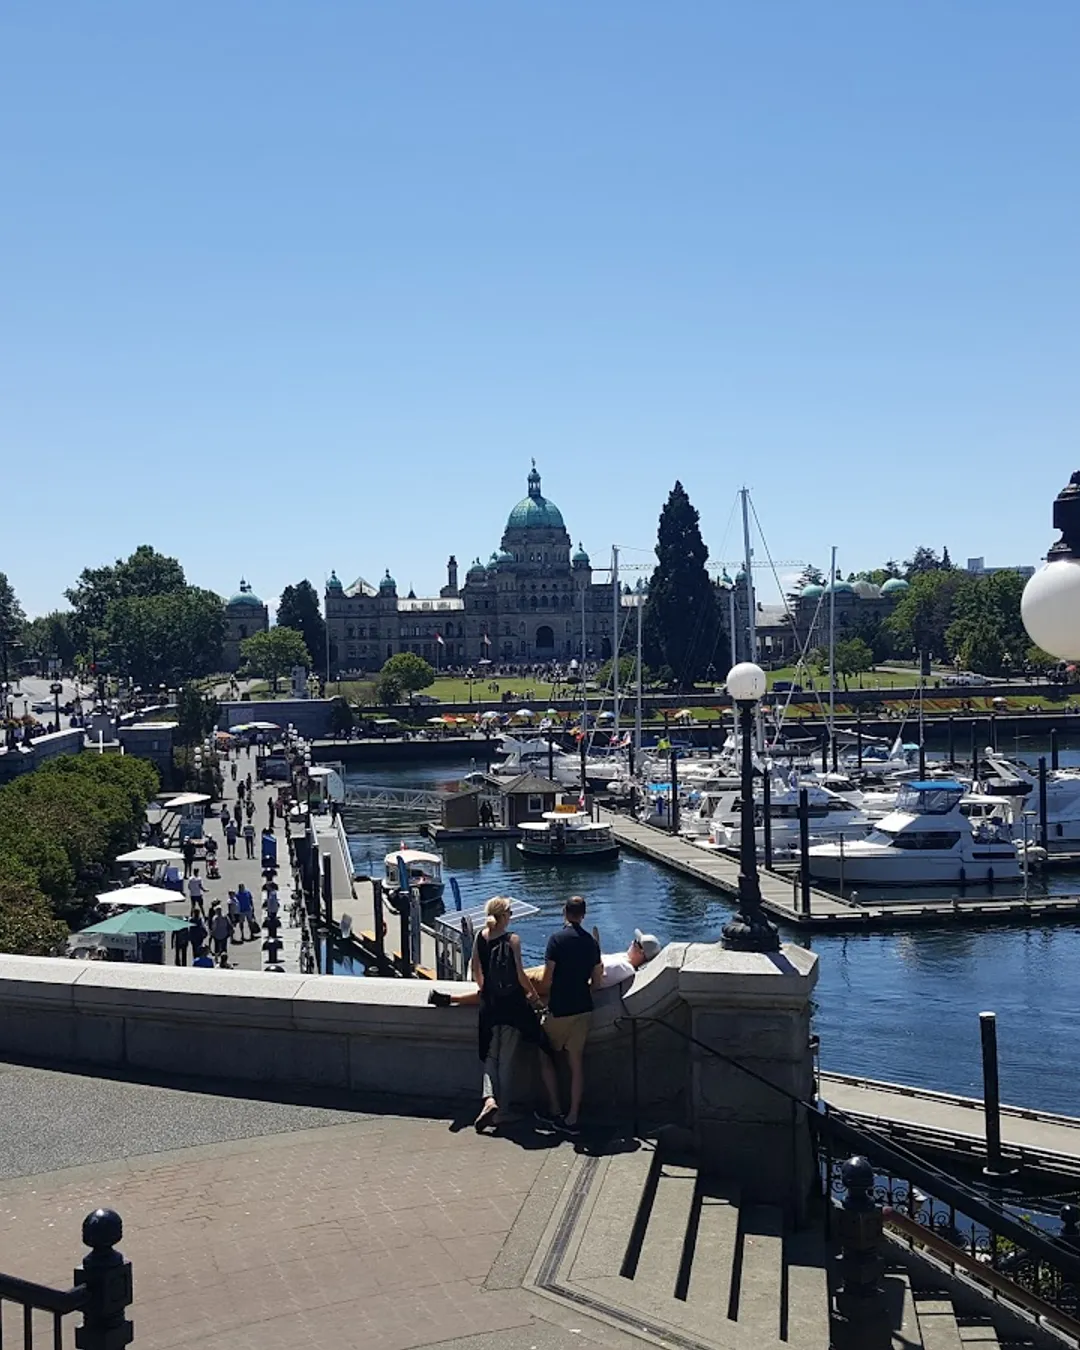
(439,639)
(485,640)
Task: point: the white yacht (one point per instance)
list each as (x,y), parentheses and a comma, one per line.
(1016,790)
(926,841)
(424,873)
(829,814)
(567,835)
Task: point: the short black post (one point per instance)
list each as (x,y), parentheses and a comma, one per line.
(405,952)
(1044,833)
(380,924)
(551,758)
(804,849)
(766,808)
(328,909)
(952,739)
(859,1226)
(922,759)
(825,753)
(858,738)
(974,748)
(674,792)
(835,751)
(991,1095)
(583,750)
(993,732)
(1054,764)
(107,1277)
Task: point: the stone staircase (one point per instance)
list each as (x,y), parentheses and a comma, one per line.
(644,1241)
(653,1246)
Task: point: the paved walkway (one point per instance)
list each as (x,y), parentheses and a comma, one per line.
(382,1233)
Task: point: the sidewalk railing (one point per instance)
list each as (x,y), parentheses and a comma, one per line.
(102,1292)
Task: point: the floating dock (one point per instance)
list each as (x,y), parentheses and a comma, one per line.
(780,894)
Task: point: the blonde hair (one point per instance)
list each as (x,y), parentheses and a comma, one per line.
(497,909)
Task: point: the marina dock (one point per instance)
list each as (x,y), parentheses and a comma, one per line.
(946,1123)
(780,893)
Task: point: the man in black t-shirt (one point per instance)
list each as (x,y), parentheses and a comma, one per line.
(572,969)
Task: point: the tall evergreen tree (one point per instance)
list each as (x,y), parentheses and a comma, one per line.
(12,620)
(298,608)
(681,620)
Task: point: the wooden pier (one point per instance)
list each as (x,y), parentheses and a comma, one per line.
(945,1123)
(780,894)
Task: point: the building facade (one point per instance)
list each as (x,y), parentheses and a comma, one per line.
(533,602)
(245,615)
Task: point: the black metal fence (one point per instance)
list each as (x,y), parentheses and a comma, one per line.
(102,1293)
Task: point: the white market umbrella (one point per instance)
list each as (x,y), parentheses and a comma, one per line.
(523,712)
(150,853)
(142,893)
(184,799)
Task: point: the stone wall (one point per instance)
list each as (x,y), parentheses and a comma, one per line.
(380,1036)
(25,758)
(310,716)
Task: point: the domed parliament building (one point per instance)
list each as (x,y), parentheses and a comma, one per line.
(527,604)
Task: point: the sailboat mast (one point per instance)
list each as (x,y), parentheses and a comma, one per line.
(731,625)
(751,616)
(615,632)
(637,704)
(584,691)
(832,646)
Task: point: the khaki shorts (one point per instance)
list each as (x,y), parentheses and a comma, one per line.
(568,1033)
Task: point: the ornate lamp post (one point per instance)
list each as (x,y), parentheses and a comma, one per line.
(1050,605)
(750,930)
(56,689)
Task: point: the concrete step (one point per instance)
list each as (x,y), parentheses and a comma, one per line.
(715,1234)
(900,1302)
(759,1270)
(937,1324)
(660,1261)
(979,1335)
(622,1191)
(804,1321)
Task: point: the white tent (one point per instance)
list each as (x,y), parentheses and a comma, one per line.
(140,894)
(185,799)
(150,853)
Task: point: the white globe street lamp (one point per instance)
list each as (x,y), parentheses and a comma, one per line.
(1050,605)
(749,930)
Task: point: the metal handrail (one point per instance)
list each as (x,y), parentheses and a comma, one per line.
(42,1297)
(980,1270)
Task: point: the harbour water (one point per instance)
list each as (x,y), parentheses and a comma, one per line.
(898,1006)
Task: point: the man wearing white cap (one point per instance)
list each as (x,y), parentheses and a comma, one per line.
(621,966)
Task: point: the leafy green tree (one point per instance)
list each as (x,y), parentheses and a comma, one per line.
(388,687)
(411,672)
(926,560)
(987,634)
(681,623)
(197,715)
(341,716)
(273,653)
(627,672)
(27,926)
(145,573)
(1040,662)
(922,616)
(12,621)
(49,636)
(298,607)
(809,576)
(853,656)
(165,638)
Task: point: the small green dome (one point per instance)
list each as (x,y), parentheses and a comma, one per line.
(477,569)
(388,585)
(581,558)
(334,584)
(535,512)
(245,596)
(503,556)
(894,586)
(812,591)
(839,588)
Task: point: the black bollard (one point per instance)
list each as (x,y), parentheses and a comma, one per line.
(1054,764)
(804,849)
(551,758)
(107,1279)
(583,751)
(922,760)
(974,748)
(380,922)
(991,1095)
(766,803)
(952,739)
(859,1225)
(858,738)
(1044,833)
(825,753)
(630,758)
(405,951)
(328,905)
(674,792)
(993,732)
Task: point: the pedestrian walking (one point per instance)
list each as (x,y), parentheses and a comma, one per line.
(233,910)
(188,851)
(219,931)
(572,969)
(239,788)
(198,933)
(196,890)
(232,770)
(225,817)
(249,807)
(270,816)
(238,814)
(230,840)
(246,905)
(249,838)
(180,939)
(272,903)
(247,780)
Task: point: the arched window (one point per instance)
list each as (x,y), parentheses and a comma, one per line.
(543,602)
(349,631)
(534,602)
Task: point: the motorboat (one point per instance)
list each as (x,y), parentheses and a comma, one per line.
(926,841)
(424,871)
(1016,790)
(829,815)
(567,834)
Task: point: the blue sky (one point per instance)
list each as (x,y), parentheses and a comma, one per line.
(288,287)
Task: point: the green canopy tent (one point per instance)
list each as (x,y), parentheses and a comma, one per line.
(125,932)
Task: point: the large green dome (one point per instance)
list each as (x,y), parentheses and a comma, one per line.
(244,596)
(535,511)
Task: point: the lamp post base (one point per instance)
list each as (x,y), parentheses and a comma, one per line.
(742,935)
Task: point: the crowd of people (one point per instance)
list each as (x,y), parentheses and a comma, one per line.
(548,1007)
